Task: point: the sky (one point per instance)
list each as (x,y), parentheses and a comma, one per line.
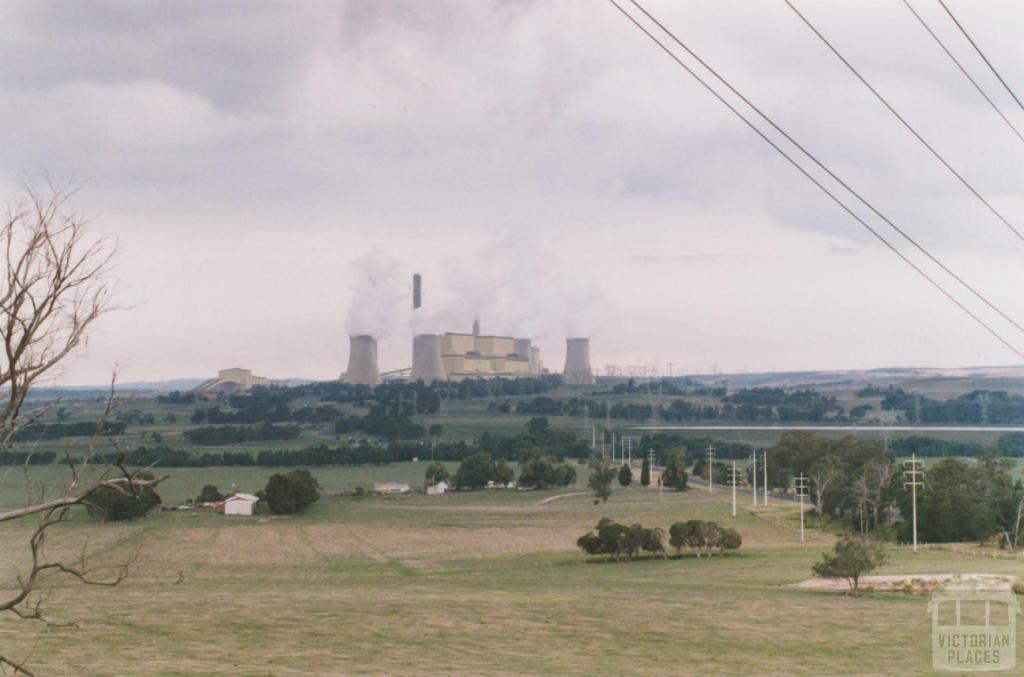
(274,173)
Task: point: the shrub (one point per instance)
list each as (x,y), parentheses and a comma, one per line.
(111,505)
(291,492)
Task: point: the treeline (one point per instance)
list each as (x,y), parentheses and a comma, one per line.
(10,457)
(995,407)
(55,431)
(230,434)
(754,404)
(388,427)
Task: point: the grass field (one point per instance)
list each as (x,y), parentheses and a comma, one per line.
(470,583)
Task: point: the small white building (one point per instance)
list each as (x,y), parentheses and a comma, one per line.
(240,504)
(390,488)
(439,488)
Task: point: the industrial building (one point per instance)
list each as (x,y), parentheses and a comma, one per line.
(475,356)
(230,381)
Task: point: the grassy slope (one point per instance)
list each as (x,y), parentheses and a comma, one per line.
(481,583)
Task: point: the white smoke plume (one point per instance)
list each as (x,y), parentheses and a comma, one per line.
(380,294)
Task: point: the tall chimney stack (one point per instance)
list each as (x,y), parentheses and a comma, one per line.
(417,291)
(362,361)
(426,359)
(577,370)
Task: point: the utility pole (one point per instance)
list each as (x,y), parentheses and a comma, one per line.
(710,452)
(593,439)
(911,477)
(801,491)
(753,474)
(764,467)
(604,451)
(735,479)
(629,440)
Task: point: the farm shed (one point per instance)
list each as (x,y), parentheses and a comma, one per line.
(439,488)
(390,488)
(240,504)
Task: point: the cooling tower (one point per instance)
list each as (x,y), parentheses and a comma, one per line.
(362,361)
(577,370)
(426,359)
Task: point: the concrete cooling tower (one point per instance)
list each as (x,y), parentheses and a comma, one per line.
(362,361)
(426,359)
(577,370)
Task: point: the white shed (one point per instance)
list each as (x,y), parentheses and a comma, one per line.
(439,488)
(240,504)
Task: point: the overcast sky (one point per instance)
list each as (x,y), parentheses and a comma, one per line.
(266,166)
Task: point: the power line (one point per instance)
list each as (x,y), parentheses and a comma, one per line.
(817,183)
(963,70)
(828,171)
(906,124)
(981,54)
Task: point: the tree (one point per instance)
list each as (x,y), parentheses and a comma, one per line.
(476,471)
(538,426)
(602,474)
(436,472)
(52,288)
(291,492)
(851,559)
(645,473)
(209,494)
(625,475)
(674,474)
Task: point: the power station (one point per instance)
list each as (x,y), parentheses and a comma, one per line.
(456,356)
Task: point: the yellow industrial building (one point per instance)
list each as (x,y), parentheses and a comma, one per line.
(473,356)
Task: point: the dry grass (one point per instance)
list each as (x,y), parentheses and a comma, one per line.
(484,583)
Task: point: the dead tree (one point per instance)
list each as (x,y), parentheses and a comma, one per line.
(53,287)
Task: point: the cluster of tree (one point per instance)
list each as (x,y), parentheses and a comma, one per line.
(112,505)
(979,406)
(231,434)
(861,484)
(381,425)
(539,435)
(615,540)
(290,492)
(176,397)
(135,417)
(480,469)
(54,431)
(966,502)
(543,471)
(701,536)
